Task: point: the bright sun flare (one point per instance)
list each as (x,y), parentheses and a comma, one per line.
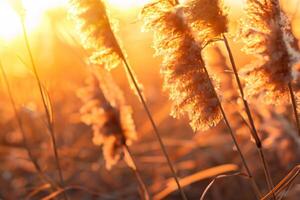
(9,21)
(10,26)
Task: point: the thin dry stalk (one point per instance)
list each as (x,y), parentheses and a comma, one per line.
(21,128)
(294,105)
(146,195)
(157,133)
(253,129)
(48,111)
(249,173)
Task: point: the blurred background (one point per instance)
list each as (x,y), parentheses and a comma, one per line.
(61,63)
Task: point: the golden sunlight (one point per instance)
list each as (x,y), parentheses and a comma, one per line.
(126,4)
(9,20)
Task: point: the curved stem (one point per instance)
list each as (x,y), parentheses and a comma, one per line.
(222,176)
(253,129)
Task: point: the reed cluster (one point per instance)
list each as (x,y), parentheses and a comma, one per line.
(182,31)
(193,66)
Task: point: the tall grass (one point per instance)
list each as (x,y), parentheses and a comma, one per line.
(183,30)
(19,8)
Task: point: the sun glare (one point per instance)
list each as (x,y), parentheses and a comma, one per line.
(126,4)
(9,21)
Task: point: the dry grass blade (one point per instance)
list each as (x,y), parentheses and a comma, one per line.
(284,183)
(46,103)
(211,172)
(37,191)
(78,188)
(217,178)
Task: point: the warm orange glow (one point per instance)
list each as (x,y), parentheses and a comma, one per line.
(125,4)
(9,21)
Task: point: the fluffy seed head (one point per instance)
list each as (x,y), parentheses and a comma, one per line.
(97,32)
(267,35)
(111,119)
(184,74)
(207,18)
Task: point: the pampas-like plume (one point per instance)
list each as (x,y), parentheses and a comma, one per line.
(111,119)
(267,35)
(206,18)
(183,71)
(96,32)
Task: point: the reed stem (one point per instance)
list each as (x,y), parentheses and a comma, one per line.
(162,145)
(47,111)
(253,129)
(146,195)
(294,105)
(252,181)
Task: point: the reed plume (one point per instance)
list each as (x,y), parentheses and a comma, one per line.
(206,17)
(267,35)
(97,35)
(182,68)
(111,119)
(96,32)
(106,111)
